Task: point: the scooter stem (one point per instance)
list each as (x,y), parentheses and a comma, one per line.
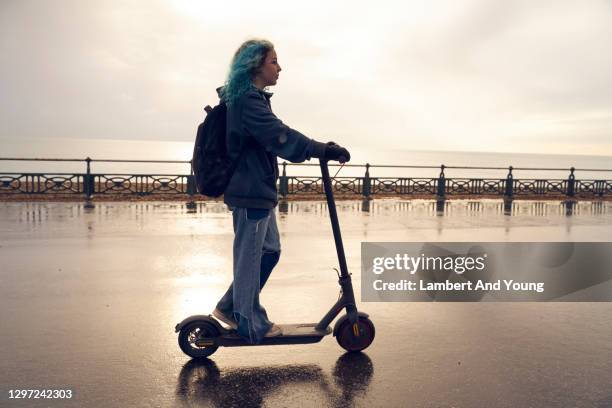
(331,205)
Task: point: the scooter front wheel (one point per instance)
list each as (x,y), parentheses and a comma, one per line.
(356,337)
(194,331)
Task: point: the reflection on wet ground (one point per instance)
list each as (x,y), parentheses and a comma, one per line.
(202,383)
(36,211)
(449,208)
(89,299)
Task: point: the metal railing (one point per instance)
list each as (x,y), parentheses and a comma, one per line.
(89,183)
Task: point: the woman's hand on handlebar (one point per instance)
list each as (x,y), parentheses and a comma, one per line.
(336,152)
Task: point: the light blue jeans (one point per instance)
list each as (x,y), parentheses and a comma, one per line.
(256,252)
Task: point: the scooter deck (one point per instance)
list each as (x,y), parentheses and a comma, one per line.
(299,333)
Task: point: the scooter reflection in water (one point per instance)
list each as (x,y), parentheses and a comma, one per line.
(201,382)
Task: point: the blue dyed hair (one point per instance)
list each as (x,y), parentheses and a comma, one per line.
(247,61)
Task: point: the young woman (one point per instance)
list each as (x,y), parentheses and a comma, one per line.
(255,137)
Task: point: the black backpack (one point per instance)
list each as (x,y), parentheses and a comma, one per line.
(211,165)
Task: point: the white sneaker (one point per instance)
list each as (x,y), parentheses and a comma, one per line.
(227,320)
(274,331)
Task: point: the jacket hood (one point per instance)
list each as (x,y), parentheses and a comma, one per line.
(267,94)
(220,91)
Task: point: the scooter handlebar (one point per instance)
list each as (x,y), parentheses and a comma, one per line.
(341,159)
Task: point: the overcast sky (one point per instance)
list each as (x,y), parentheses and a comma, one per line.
(474,75)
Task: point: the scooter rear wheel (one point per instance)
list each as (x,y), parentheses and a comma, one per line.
(356,338)
(194,331)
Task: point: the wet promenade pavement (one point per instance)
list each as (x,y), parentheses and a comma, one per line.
(89,300)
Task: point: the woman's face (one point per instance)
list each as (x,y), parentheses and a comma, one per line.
(268,73)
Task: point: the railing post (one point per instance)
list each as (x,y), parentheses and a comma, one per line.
(367,186)
(600,187)
(509,184)
(191,188)
(284,182)
(441,183)
(88,185)
(571,183)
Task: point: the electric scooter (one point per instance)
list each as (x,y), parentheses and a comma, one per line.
(201,335)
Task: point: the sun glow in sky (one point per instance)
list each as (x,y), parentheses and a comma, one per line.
(475,75)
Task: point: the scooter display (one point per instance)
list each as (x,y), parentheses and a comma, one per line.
(201,335)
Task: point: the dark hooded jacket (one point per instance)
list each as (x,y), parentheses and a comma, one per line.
(255,138)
